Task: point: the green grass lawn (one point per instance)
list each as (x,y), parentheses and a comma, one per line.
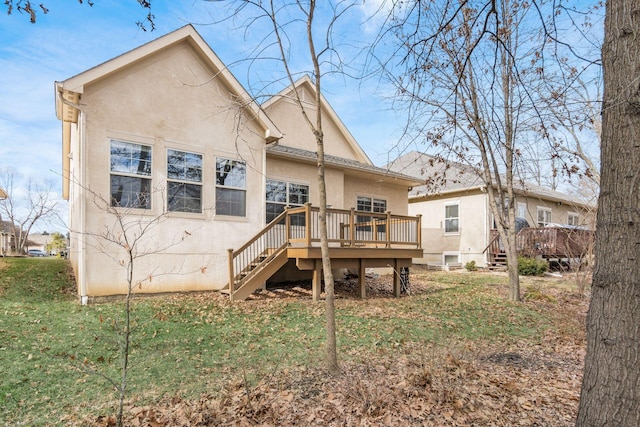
(54,353)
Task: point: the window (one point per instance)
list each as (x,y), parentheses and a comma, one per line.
(572,219)
(130,172)
(280,194)
(231,184)
(544,216)
(184,181)
(522,210)
(368,204)
(451,218)
(451,258)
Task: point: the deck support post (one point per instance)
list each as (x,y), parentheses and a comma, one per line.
(396,278)
(317,280)
(362,278)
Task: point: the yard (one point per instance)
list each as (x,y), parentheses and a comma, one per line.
(454,352)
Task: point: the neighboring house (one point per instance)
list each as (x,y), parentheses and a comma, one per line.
(7,239)
(457,223)
(167,128)
(38,241)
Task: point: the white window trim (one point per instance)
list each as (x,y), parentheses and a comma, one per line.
(544,209)
(523,211)
(141,142)
(182,148)
(444,222)
(445,254)
(575,214)
(228,187)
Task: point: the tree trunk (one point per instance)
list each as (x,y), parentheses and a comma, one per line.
(611,385)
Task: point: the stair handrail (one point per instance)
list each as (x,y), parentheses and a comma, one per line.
(234,255)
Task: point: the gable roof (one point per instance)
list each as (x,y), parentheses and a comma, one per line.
(306,83)
(463,178)
(341,163)
(69,90)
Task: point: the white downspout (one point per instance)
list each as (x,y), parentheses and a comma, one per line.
(82,270)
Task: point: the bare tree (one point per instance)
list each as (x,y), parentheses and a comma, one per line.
(296,26)
(611,384)
(127,236)
(25,206)
(470,74)
(32,10)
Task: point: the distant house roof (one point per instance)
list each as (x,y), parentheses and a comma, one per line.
(342,163)
(3,194)
(441,177)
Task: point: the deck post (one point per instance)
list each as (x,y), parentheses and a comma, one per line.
(287,227)
(362,279)
(419,231)
(387,228)
(307,218)
(317,280)
(231,273)
(396,279)
(352,227)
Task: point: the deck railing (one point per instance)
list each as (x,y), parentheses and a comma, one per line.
(299,227)
(562,242)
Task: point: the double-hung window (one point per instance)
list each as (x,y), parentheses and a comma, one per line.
(370,204)
(184,181)
(452,218)
(573,219)
(280,194)
(130,175)
(231,187)
(544,216)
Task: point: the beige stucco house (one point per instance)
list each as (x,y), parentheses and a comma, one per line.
(165,136)
(457,223)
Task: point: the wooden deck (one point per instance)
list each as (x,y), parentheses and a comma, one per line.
(545,242)
(357,240)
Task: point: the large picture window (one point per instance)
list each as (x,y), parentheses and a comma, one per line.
(184,181)
(280,194)
(231,184)
(452,218)
(130,175)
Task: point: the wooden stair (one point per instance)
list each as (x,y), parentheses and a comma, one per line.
(498,262)
(256,273)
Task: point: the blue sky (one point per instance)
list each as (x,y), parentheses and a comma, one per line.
(73,37)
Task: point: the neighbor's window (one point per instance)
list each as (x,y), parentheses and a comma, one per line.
(544,216)
(231,184)
(572,219)
(184,181)
(130,175)
(280,194)
(452,218)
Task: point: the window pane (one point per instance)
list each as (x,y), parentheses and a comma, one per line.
(298,194)
(451,225)
(379,206)
(130,192)
(451,211)
(184,197)
(364,204)
(273,210)
(276,191)
(184,166)
(230,202)
(130,158)
(230,173)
